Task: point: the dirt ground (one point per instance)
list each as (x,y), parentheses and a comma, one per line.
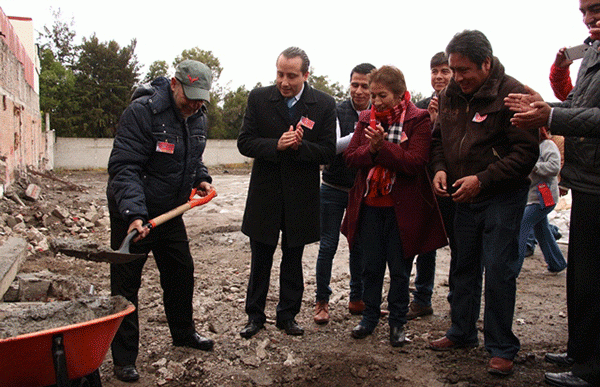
(326,355)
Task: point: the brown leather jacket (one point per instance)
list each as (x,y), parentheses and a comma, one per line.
(473,136)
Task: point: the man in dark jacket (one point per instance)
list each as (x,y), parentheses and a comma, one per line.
(441,74)
(483,163)
(289,130)
(578,119)
(337,181)
(155,163)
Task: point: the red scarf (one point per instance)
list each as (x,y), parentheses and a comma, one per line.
(380,180)
(392,115)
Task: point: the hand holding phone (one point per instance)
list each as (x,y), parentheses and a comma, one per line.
(576,52)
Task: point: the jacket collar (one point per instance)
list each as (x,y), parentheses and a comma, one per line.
(308,95)
(489,89)
(160,96)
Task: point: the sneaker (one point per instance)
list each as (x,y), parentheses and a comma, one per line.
(417,310)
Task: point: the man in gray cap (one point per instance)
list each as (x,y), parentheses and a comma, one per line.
(155,163)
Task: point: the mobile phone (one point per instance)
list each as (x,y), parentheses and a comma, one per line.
(576,52)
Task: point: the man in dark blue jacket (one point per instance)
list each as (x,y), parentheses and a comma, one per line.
(155,163)
(337,181)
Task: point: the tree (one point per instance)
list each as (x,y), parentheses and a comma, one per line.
(234,108)
(321,82)
(57,94)
(215,111)
(158,68)
(59,40)
(106,74)
(416,96)
(203,56)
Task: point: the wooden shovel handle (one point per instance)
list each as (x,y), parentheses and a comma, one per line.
(182,208)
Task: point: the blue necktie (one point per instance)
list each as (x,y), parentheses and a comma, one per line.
(290,105)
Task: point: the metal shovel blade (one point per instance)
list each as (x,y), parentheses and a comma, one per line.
(91,251)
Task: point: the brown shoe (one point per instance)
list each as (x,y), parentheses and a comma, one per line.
(445,344)
(417,310)
(321,312)
(500,366)
(356,307)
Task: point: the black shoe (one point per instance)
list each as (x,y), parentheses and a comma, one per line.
(397,336)
(360,332)
(560,359)
(565,379)
(251,328)
(291,327)
(195,341)
(126,373)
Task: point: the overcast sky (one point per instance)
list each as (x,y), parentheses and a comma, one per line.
(247,36)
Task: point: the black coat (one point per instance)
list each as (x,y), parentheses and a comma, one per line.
(144,182)
(284,186)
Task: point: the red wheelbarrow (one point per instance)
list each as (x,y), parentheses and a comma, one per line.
(58,356)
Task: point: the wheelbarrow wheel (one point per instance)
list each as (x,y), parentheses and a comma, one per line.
(91,380)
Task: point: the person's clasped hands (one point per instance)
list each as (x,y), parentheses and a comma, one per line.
(376,137)
(291,139)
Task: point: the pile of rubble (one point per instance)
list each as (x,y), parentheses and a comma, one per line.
(39,210)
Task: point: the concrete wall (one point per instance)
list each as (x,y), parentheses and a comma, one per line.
(93,153)
(22,142)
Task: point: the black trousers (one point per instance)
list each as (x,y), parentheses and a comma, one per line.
(583,286)
(291,282)
(170,247)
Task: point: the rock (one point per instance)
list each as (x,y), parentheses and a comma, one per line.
(33,288)
(42,246)
(60,213)
(261,379)
(33,191)
(251,361)
(12,293)
(261,352)
(20,227)
(291,360)
(11,221)
(49,220)
(34,235)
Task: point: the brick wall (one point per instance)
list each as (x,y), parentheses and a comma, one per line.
(22,142)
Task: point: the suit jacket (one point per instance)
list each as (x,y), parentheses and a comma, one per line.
(284,185)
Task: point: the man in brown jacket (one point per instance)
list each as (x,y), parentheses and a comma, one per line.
(482,161)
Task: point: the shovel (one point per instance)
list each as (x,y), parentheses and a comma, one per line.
(93,252)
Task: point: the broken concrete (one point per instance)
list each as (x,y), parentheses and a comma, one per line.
(12,255)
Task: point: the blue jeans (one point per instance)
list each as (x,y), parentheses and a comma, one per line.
(333,205)
(535,218)
(425,278)
(380,243)
(531,241)
(487,235)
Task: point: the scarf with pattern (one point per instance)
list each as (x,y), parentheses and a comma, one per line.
(380,180)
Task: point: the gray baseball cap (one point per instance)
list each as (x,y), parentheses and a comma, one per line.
(195,77)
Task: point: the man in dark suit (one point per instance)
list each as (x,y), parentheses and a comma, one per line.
(289,130)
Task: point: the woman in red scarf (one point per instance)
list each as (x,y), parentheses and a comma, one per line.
(392,211)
